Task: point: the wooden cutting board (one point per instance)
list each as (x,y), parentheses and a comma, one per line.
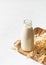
(17,43)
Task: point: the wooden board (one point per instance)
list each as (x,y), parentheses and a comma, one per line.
(17,43)
(37,30)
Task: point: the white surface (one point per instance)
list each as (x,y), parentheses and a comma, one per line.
(12,14)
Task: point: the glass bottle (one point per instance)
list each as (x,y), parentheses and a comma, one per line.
(27,36)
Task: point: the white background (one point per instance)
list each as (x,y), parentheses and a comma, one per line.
(12,15)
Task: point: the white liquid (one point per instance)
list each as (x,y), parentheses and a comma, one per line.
(27,38)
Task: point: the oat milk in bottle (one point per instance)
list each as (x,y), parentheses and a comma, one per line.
(27,36)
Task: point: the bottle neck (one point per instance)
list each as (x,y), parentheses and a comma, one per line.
(27,23)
